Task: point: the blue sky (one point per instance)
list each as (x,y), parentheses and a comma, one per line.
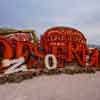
(43,14)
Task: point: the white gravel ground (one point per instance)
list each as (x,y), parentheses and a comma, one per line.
(55,87)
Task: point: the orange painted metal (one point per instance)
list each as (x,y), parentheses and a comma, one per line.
(66,43)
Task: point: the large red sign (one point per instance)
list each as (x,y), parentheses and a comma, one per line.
(58,47)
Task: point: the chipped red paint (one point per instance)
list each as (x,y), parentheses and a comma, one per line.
(62,40)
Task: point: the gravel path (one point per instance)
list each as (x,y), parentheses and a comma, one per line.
(55,87)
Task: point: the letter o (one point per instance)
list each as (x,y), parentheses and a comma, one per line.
(54,60)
